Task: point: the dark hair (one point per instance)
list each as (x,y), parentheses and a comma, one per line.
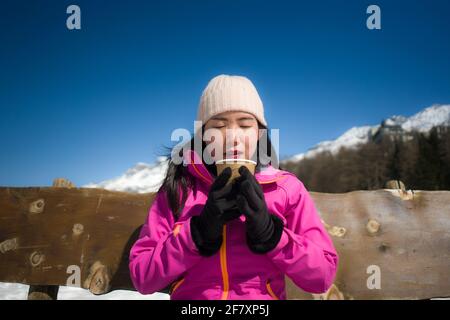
(177,177)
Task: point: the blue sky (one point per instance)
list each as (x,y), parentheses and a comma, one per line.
(90,103)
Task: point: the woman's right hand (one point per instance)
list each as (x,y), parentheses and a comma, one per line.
(220,207)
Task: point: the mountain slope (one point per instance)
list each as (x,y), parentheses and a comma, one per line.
(141,178)
(423,121)
(144,177)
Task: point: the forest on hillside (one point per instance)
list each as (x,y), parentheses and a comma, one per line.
(420,160)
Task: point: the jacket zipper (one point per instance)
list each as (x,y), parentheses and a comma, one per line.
(175,286)
(223,264)
(209,181)
(269,289)
(223,248)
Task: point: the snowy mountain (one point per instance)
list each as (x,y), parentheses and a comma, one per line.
(423,121)
(352,137)
(436,115)
(141,178)
(144,177)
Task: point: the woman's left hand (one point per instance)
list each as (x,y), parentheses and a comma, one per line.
(263,229)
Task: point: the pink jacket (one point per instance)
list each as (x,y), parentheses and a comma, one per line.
(166,254)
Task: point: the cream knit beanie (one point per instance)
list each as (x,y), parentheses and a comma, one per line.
(230,93)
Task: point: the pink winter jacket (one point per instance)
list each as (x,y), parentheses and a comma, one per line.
(165,253)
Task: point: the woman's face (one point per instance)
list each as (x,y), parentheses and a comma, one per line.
(239,132)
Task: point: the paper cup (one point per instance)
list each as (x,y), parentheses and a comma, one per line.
(235,164)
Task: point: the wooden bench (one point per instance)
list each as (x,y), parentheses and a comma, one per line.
(49,236)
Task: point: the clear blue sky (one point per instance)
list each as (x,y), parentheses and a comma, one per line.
(88,104)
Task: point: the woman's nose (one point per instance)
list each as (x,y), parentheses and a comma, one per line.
(233,136)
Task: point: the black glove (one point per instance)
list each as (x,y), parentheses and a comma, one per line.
(264,230)
(221,207)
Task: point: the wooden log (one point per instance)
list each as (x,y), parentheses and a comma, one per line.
(406,234)
(44,231)
(36,292)
(395,184)
(43,292)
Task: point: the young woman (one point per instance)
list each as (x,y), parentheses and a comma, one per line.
(209,239)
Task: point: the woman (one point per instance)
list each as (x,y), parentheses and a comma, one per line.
(209,239)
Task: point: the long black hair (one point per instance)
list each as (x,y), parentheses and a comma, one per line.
(178,178)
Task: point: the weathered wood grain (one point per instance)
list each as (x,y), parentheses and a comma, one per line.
(405,233)
(45,230)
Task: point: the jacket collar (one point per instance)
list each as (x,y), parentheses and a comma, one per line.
(197,168)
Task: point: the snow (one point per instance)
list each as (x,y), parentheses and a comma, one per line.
(428,118)
(141,178)
(17,291)
(395,121)
(422,121)
(350,138)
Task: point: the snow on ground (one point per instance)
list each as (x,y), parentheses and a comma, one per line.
(16,291)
